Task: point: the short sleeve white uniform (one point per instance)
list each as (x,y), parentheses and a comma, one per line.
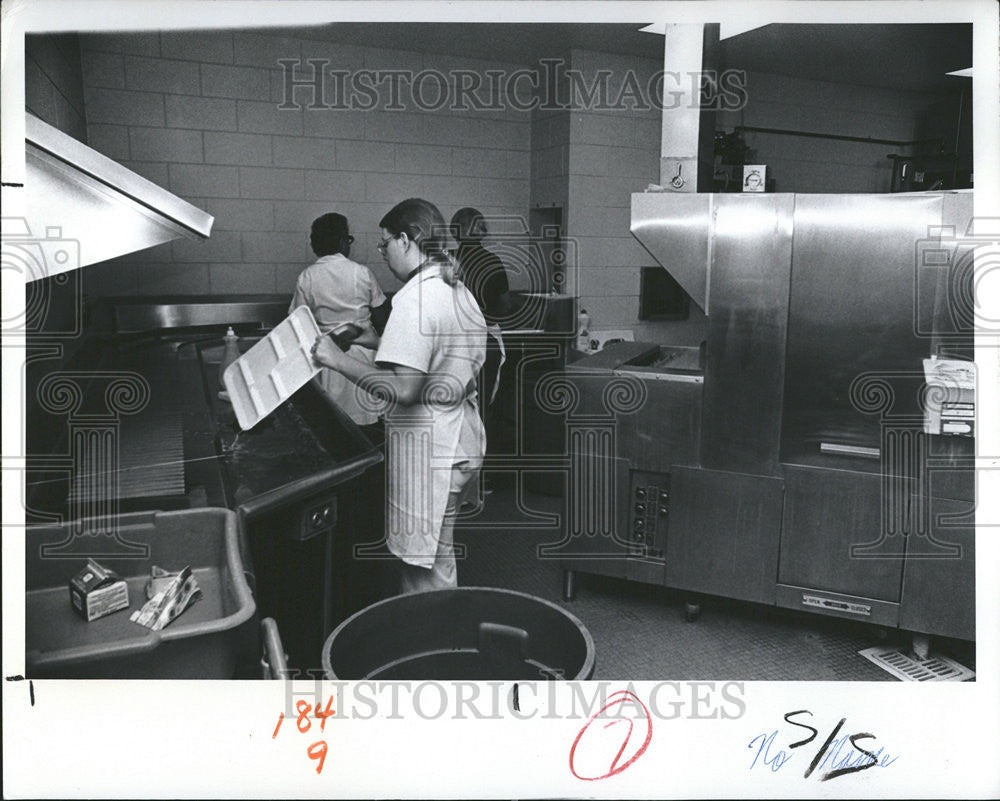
(338,290)
(440,331)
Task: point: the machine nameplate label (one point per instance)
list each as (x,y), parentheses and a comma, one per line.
(840,606)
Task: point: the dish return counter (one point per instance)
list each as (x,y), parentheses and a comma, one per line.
(817,451)
(133,425)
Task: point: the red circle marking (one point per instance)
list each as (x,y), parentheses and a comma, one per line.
(625,695)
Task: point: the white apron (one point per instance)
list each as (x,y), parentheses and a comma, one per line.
(440,331)
(422,449)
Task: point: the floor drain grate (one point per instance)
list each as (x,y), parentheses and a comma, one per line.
(906,668)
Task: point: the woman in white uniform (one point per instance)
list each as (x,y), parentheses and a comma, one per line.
(426,367)
(339,291)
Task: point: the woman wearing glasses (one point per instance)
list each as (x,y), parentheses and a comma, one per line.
(341,295)
(426,367)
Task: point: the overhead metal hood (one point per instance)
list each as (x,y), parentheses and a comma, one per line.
(75,193)
(674,228)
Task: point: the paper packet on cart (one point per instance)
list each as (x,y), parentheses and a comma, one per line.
(178,594)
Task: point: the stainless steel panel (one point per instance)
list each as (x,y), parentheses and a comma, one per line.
(674,228)
(939,594)
(595,527)
(957,210)
(954,308)
(645,570)
(838,536)
(86,212)
(944,293)
(851,312)
(664,430)
(651,374)
(723,533)
(745,354)
(132,315)
(107,208)
(614,355)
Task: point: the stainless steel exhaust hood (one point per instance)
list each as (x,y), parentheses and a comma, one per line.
(674,228)
(73,192)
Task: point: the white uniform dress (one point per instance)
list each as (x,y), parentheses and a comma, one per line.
(435,447)
(338,290)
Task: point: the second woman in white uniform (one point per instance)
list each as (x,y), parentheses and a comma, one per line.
(338,291)
(427,366)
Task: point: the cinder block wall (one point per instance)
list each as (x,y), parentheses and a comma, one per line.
(613,153)
(800,164)
(53,89)
(198,114)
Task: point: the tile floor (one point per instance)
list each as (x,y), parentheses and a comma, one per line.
(640,631)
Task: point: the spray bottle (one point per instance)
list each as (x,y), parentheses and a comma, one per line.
(229,355)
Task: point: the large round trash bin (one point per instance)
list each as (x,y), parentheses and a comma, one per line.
(472,633)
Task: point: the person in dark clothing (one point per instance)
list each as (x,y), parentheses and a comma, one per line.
(486,278)
(482,271)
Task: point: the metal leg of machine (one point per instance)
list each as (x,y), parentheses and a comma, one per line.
(921,645)
(569,585)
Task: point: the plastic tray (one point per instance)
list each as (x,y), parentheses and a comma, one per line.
(274,369)
(203,643)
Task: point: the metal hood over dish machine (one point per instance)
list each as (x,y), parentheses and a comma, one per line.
(809,460)
(817,451)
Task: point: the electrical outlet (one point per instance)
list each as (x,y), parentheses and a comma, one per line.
(317,518)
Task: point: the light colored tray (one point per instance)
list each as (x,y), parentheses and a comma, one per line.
(274,369)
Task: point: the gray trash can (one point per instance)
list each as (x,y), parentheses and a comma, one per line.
(470,633)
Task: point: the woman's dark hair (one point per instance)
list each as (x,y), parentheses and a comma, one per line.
(424,224)
(463,220)
(328,234)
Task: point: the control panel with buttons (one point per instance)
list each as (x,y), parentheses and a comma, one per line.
(649,510)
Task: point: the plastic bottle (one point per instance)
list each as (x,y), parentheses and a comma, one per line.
(583,330)
(229,355)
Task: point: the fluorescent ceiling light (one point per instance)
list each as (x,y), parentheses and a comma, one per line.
(966,73)
(726,29)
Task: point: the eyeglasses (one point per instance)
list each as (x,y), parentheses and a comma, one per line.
(383,244)
(350,239)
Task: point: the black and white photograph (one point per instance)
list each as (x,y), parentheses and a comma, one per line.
(398,396)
